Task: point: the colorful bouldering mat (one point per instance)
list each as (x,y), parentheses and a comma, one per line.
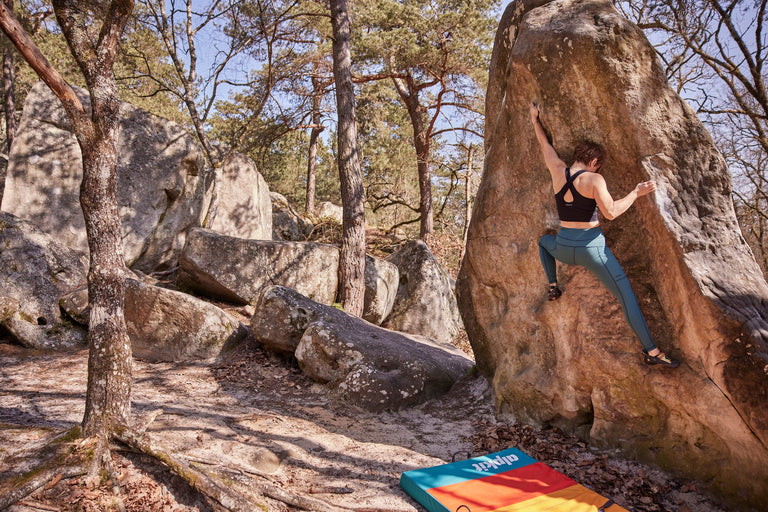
(507,481)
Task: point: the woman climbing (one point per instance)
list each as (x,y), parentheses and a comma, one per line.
(579,192)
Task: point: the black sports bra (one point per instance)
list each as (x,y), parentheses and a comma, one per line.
(580,209)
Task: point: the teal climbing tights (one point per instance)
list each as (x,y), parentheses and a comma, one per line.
(586,247)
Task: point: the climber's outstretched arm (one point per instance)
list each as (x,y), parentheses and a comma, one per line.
(555,165)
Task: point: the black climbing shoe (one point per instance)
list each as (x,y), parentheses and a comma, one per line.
(554,292)
(662,359)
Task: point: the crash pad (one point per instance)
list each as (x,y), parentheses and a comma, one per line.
(506,481)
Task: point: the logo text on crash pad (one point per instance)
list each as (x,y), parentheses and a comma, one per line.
(496,462)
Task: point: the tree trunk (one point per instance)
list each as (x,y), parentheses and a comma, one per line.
(352,259)
(317,128)
(108,396)
(107,402)
(421,143)
(9,92)
(210,152)
(109,365)
(426,228)
(467,196)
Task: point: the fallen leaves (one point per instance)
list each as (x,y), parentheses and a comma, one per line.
(630,484)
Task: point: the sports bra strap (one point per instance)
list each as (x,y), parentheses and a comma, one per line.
(570,177)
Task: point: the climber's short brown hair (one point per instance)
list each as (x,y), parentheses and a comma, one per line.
(587,151)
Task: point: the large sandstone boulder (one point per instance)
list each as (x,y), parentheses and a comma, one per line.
(575,363)
(425,303)
(328,210)
(237,270)
(281,315)
(166,325)
(244,208)
(372,367)
(160,182)
(35,272)
(287,223)
(381,285)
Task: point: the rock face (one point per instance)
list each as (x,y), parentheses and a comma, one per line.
(244,207)
(575,363)
(425,303)
(35,272)
(372,367)
(160,180)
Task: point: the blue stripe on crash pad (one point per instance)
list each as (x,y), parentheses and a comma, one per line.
(423,497)
(478,467)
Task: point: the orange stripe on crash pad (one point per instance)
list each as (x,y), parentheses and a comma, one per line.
(575,498)
(495,491)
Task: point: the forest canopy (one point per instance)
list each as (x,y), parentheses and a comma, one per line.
(256,77)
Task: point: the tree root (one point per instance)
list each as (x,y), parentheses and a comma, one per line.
(212,487)
(32,483)
(71,460)
(303,502)
(199,480)
(62,459)
(59,464)
(38,506)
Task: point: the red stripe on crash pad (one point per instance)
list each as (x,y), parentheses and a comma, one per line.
(495,491)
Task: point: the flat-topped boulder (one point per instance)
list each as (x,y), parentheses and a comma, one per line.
(237,270)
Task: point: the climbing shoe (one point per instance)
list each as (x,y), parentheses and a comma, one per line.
(554,292)
(662,359)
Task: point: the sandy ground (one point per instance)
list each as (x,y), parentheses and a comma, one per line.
(257,417)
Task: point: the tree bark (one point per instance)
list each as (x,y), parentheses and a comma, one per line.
(352,258)
(9,92)
(108,396)
(421,143)
(317,128)
(467,196)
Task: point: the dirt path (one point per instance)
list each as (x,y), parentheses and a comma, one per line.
(260,418)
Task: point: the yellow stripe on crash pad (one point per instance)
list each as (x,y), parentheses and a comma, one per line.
(575,498)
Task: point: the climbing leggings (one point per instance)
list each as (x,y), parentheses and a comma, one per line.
(586,247)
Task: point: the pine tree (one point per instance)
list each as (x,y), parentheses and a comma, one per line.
(436,56)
